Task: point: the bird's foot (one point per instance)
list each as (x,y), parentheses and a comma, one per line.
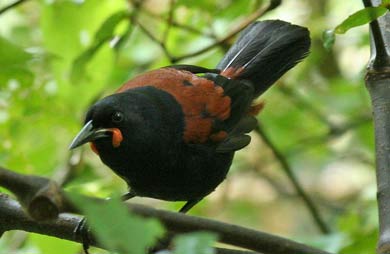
(82,232)
(162,244)
(127,196)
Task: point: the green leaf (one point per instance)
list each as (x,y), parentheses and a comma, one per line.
(116,228)
(359,18)
(235,9)
(106,30)
(103,34)
(364,243)
(195,243)
(328,38)
(11,54)
(22,75)
(385,3)
(205,5)
(80,63)
(67,26)
(47,244)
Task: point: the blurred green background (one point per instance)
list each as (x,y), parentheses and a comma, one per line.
(58,56)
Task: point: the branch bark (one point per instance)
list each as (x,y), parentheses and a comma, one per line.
(13,5)
(12,216)
(218,42)
(378,85)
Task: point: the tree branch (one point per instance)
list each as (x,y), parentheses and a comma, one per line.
(41,197)
(185,27)
(173,59)
(378,85)
(65,174)
(158,42)
(169,21)
(9,7)
(251,18)
(297,186)
(380,52)
(13,217)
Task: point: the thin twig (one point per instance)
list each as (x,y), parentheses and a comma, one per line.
(299,189)
(251,18)
(130,26)
(303,104)
(231,251)
(219,42)
(169,21)
(64,174)
(158,42)
(185,27)
(275,183)
(335,132)
(9,7)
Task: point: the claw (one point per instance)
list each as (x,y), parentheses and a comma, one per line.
(82,231)
(127,196)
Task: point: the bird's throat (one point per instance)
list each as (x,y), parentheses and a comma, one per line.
(94,148)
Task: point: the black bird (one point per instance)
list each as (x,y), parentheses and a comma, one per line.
(171,133)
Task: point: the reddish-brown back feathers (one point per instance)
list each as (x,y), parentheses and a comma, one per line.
(201,100)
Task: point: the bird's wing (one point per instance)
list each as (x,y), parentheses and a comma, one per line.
(241,120)
(213,105)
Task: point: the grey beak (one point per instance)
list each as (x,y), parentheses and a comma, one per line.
(87,134)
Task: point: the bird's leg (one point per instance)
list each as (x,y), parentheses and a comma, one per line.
(166,240)
(82,228)
(128,195)
(190,203)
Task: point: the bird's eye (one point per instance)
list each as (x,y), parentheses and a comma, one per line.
(117,117)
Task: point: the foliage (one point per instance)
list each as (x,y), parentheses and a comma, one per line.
(361,17)
(199,242)
(112,222)
(58,56)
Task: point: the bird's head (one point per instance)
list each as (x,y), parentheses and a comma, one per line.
(115,122)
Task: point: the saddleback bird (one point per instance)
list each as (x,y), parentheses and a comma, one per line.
(171,133)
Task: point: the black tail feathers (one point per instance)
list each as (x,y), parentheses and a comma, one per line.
(265,51)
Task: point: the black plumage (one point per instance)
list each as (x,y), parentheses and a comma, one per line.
(267,49)
(172,134)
